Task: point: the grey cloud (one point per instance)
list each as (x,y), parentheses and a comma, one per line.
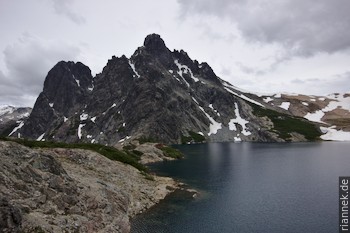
(254,70)
(336,83)
(215,34)
(297,81)
(226,72)
(302,27)
(61,7)
(28,60)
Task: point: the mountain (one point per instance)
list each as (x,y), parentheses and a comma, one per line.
(155,95)
(12,118)
(332,112)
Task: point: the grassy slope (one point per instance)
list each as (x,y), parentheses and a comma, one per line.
(285,124)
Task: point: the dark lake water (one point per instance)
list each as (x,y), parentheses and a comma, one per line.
(252,187)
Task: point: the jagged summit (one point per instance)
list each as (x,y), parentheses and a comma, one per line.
(155,48)
(156,94)
(154,42)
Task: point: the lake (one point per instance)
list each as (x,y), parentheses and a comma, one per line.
(252,187)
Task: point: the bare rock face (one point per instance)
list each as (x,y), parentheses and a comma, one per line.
(156,93)
(66,190)
(65,92)
(10,216)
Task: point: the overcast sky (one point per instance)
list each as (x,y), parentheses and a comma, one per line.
(299,46)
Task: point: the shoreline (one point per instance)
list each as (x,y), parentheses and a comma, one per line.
(73,190)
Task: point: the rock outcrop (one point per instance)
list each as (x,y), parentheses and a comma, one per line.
(71,190)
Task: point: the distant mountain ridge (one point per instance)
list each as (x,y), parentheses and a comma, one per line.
(331,111)
(12,118)
(157,95)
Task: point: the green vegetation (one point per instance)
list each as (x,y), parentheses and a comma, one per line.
(144,139)
(129,147)
(285,124)
(170,152)
(111,153)
(138,153)
(193,137)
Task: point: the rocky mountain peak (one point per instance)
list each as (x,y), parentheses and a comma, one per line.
(156,94)
(154,44)
(68,74)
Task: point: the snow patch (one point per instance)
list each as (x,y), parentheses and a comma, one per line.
(216,111)
(304,103)
(337,102)
(6,109)
(214,126)
(340,102)
(21,124)
(315,116)
(201,133)
(239,120)
(267,99)
(40,138)
(126,138)
(93,119)
(229,85)
(91,88)
(133,68)
(51,105)
(76,80)
(336,135)
(244,97)
(88,136)
(285,105)
(113,105)
(93,141)
(79,130)
(65,119)
(185,71)
(24,115)
(195,100)
(84,116)
(171,71)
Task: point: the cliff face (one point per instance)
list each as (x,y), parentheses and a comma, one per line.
(157,94)
(71,190)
